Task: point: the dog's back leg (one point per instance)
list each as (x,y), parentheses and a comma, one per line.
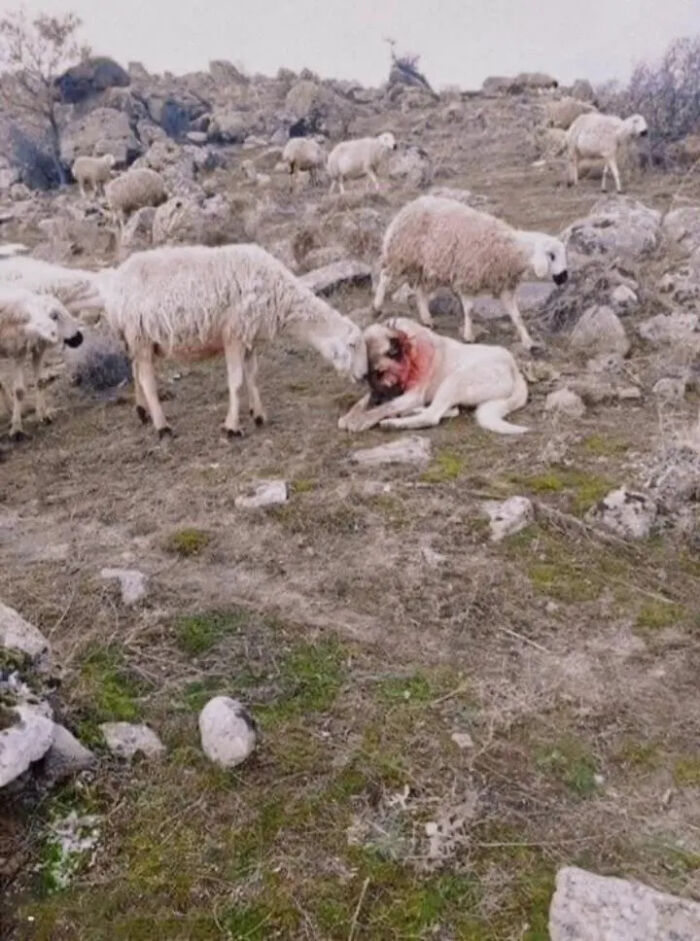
(448,395)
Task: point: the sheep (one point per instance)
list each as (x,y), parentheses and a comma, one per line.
(563,113)
(434,242)
(76,288)
(600,136)
(93,171)
(29,324)
(133,190)
(194,302)
(357,158)
(303,153)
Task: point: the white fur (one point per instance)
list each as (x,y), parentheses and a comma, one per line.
(353,159)
(600,136)
(76,288)
(303,153)
(92,172)
(133,190)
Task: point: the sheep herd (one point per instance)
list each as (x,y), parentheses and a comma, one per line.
(193,301)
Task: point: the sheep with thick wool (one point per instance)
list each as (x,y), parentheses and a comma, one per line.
(29,325)
(601,136)
(76,288)
(436,242)
(563,112)
(194,302)
(303,153)
(93,173)
(134,190)
(354,159)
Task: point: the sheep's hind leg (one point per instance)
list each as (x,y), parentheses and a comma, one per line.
(18,392)
(380,293)
(616,175)
(604,181)
(141,409)
(147,380)
(43,413)
(510,304)
(423,308)
(373,177)
(250,374)
(235,374)
(467,326)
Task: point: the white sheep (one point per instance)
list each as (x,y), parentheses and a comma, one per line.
(29,324)
(133,190)
(434,242)
(600,136)
(193,302)
(353,159)
(92,172)
(303,153)
(76,288)
(563,112)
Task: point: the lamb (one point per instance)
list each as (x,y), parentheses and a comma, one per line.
(353,159)
(133,190)
(563,113)
(94,172)
(30,324)
(194,302)
(303,153)
(600,136)
(434,242)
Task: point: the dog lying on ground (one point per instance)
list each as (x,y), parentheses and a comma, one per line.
(418,377)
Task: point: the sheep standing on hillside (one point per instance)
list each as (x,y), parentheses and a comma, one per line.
(601,136)
(303,153)
(93,172)
(353,159)
(194,302)
(133,190)
(563,113)
(435,242)
(29,324)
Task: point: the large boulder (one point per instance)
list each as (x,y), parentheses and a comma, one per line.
(599,331)
(179,220)
(102,131)
(625,513)
(25,738)
(617,228)
(590,285)
(412,166)
(681,227)
(91,77)
(319,108)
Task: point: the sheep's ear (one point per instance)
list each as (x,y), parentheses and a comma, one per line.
(540,265)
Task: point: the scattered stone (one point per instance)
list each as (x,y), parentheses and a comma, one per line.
(264,493)
(682,226)
(26,741)
(508,517)
(619,227)
(18,634)
(432,558)
(626,513)
(565,402)
(588,907)
(228,732)
(462,739)
(670,328)
(66,756)
(126,739)
(624,298)
(605,362)
(326,280)
(600,331)
(411,449)
(670,388)
(132,583)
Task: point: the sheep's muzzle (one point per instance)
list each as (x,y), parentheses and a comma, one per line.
(75,340)
(561,278)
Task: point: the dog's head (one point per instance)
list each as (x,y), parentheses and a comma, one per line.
(388,359)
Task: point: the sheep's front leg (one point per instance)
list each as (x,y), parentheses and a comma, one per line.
(616,174)
(604,181)
(373,177)
(250,374)
(467,326)
(143,369)
(234,372)
(359,419)
(572,179)
(141,409)
(43,414)
(18,392)
(423,308)
(510,304)
(380,293)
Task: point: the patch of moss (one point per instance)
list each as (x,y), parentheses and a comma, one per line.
(584,487)
(655,615)
(303,485)
(392,508)
(686,771)
(564,581)
(198,633)
(310,676)
(187,542)
(404,689)
(109,689)
(639,754)
(447,466)
(604,445)
(570,762)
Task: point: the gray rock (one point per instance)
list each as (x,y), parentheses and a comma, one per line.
(132,583)
(100,365)
(411,449)
(508,517)
(326,280)
(100,131)
(178,221)
(264,493)
(599,331)
(18,634)
(66,756)
(682,283)
(618,227)
(413,166)
(565,402)
(670,328)
(26,741)
(670,388)
(137,234)
(227,732)
(626,513)
(588,907)
(126,739)
(624,298)
(682,227)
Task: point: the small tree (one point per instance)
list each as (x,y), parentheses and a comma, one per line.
(33,53)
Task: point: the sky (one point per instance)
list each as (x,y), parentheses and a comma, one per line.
(460,41)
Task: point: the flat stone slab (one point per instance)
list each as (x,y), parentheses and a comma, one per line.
(125,739)
(132,583)
(26,741)
(324,281)
(264,493)
(588,907)
(412,449)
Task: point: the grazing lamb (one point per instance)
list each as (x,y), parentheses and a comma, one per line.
(194,302)
(435,242)
(563,113)
(304,153)
(353,159)
(29,324)
(93,172)
(600,136)
(133,190)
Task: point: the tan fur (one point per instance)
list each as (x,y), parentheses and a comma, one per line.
(92,173)
(303,153)
(133,190)
(562,113)
(601,136)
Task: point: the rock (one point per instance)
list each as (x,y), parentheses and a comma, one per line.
(225,73)
(674,477)
(682,284)
(264,493)
(672,328)
(591,285)
(670,388)
(605,363)
(682,227)
(599,331)
(432,558)
(131,581)
(588,907)
(624,298)
(100,365)
(66,756)
(508,517)
(326,280)
(462,739)
(412,449)
(626,513)
(583,90)
(618,226)
(90,77)
(197,137)
(26,741)
(178,221)
(413,166)
(126,739)
(101,131)
(565,402)
(228,732)
(18,634)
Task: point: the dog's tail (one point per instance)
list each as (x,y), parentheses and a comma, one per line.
(490,415)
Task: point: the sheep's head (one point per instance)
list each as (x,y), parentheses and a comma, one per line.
(50,321)
(637,126)
(347,352)
(109,160)
(387,140)
(547,256)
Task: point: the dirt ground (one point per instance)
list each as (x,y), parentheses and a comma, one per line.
(363,623)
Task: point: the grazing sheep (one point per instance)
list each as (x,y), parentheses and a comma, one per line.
(435,242)
(304,153)
(600,136)
(29,324)
(94,172)
(563,113)
(353,159)
(76,288)
(194,302)
(133,190)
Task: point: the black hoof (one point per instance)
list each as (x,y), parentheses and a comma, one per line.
(166,432)
(142,414)
(18,436)
(259,421)
(231,434)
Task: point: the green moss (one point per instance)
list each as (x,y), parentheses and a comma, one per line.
(303,485)
(187,542)
(447,466)
(639,754)
(604,445)
(109,689)
(571,762)
(403,689)
(198,633)
(564,581)
(655,615)
(310,676)
(584,487)
(547,482)
(686,771)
